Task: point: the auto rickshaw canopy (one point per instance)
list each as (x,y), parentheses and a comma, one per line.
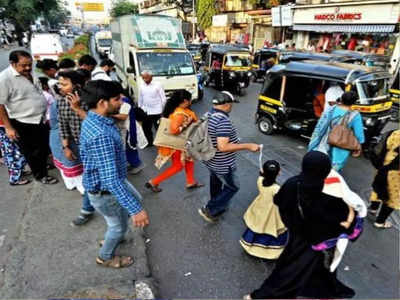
(333,71)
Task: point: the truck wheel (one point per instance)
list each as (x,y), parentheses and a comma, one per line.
(265,126)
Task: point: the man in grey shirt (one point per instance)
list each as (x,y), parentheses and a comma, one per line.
(22,110)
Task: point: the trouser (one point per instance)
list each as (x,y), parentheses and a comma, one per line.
(87,208)
(148,124)
(116,218)
(222,190)
(384,212)
(132,154)
(13,158)
(33,142)
(176,167)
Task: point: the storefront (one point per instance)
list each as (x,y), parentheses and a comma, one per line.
(369,26)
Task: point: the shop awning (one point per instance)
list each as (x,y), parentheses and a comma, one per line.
(344,28)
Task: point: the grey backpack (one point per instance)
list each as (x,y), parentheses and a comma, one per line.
(199,145)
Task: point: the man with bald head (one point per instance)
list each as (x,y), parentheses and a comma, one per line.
(152,100)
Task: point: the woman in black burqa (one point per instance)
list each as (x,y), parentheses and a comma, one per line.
(311,217)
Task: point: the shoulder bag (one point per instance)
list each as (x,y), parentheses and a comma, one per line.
(342,136)
(164,138)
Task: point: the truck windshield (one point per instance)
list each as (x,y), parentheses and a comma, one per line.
(166,64)
(105,42)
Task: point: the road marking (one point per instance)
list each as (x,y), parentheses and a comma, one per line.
(2,237)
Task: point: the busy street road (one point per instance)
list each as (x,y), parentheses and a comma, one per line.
(193,259)
(188,257)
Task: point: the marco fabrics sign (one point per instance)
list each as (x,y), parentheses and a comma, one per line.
(385,13)
(338,17)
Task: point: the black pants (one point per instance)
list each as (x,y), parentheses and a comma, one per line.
(34,145)
(148,124)
(384,212)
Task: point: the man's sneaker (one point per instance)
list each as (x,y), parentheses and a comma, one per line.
(81,219)
(137,170)
(203,211)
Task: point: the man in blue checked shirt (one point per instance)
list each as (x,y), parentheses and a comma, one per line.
(104,164)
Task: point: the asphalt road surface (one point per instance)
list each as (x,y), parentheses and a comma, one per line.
(193,259)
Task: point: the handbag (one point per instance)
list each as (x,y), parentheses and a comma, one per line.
(164,138)
(342,136)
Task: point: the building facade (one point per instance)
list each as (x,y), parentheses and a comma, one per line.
(241,22)
(368,25)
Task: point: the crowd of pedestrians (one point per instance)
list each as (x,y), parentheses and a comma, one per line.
(79,120)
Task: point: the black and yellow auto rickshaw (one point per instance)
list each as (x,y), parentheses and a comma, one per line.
(228,67)
(267,57)
(195,51)
(264,59)
(286,98)
(365,59)
(395,97)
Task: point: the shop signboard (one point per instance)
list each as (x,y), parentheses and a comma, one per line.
(276,16)
(286,15)
(385,13)
(220,20)
(282,16)
(90,6)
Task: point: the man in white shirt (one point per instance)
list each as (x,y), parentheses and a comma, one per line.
(102,72)
(22,111)
(152,101)
(333,93)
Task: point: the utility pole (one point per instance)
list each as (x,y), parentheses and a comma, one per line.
(193,21)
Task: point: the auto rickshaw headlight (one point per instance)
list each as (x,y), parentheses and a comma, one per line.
(232,74)
(249,74)
(369,122)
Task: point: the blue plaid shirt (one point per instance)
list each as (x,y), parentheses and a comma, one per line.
(104,162)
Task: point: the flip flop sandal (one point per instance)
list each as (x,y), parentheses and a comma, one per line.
(385,225)
(48,180)
(101,243)
(20,182)
(194,186)
(116,262)
(154,188)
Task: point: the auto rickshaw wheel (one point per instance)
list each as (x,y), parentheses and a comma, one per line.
(394,117)
(265,125)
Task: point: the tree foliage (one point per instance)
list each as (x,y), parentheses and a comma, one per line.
(206,9)
(123,7)
(23,13)
(57,16)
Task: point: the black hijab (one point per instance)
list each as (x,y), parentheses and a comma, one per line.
(304,209)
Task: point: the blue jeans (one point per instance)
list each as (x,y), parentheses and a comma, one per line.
(87,208)
(222,189)
(116,218)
